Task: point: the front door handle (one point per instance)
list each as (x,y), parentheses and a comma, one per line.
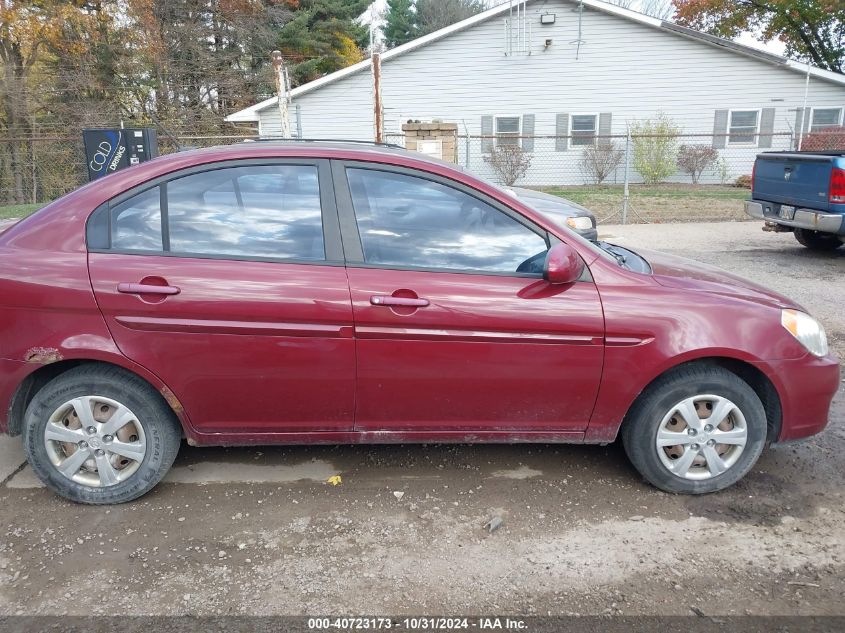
(389,301)
(147,289)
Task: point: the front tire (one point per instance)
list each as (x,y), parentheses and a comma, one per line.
(696,430)
(100,435)
(816,241)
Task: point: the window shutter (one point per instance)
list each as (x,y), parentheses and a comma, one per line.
(561,132)
(605,126)
(487,131)
(720,129)
(528,132)
(767,128)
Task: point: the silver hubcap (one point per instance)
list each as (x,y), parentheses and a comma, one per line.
(701,437)
(95,441)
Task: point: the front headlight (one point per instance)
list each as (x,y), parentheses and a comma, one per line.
(806,330)
(580,223)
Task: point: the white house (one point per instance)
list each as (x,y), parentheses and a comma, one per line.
(557,73)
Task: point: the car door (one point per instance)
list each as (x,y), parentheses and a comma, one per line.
(456,329)
(227,281)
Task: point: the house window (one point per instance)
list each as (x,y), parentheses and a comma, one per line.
(584,129)
(744,126)
(825,117)
(508,130)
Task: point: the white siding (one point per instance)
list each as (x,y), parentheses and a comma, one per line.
(628,69)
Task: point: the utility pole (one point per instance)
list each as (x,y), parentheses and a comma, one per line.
(804,118)
(377,111)
(282,90)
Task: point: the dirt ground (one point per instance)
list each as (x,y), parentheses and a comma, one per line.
(258,531)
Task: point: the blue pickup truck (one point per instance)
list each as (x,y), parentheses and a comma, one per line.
(802,193)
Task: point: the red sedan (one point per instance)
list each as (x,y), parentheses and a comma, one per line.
(316,292)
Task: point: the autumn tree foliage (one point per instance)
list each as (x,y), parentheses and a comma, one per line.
(811,29)
(323,36)
(183,65)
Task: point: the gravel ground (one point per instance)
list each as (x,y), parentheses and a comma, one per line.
(258,531)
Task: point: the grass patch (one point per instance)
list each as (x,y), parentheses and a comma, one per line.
(660,203)
(19,210)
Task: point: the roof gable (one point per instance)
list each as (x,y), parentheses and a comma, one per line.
(251,113)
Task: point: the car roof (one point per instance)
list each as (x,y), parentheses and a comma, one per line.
(300,147)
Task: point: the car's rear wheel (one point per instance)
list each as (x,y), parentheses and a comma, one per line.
(699,429)
(100,435)
(817,241)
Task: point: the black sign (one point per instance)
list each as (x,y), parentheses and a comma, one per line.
(107,150)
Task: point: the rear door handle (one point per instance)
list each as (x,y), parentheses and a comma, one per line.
(387,300)
(147,289)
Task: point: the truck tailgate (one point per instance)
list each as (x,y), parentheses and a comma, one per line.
(799,180)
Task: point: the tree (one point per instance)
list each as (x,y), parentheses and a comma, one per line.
(400,22)
(29,31)
(810,29)
(694,159)
(323,37)
(433,15)
(661,9)
(600,160)
(655,148)
(510,162)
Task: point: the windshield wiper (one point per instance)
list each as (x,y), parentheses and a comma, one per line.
(609,248)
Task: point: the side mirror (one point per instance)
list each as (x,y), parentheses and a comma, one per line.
(563,265)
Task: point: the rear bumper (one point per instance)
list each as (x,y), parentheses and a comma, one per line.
(803,219)
(806,387)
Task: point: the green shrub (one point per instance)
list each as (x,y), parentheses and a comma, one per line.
(655,148)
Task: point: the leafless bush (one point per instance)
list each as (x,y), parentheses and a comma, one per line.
(694,159)
(510,162)
(600,160)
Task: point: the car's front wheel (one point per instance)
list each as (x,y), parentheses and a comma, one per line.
(100,435)
(696,430)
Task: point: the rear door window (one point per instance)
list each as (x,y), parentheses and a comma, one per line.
(265,211)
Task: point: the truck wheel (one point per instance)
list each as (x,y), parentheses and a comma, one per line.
(100,435)
(816,241)
(696,430)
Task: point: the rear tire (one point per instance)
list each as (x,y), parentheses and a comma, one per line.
(816,241)
(672,441)
(100,435)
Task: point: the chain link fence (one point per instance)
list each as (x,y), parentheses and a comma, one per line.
(685,177)
(39,169)
(646,178)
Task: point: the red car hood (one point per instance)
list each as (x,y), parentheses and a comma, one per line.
(679,272)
